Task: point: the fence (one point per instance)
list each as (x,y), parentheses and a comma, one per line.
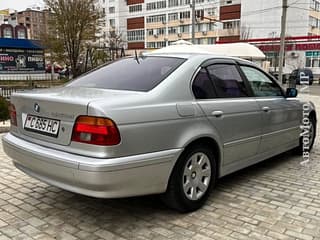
(7,91)
(27,77)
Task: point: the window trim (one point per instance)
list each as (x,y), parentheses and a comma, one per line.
(264,73)
(214,61)
(248,90)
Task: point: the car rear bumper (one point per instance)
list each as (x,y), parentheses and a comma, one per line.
(104,178)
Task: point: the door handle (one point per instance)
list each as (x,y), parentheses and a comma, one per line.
(217,113)
(266,109)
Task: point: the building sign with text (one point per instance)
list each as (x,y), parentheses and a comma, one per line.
(21,61)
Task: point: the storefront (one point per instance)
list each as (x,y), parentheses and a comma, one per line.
(21,56)
(300,52)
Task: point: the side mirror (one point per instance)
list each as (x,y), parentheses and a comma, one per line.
(291,92)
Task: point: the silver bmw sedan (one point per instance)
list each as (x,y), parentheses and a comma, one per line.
(161,123)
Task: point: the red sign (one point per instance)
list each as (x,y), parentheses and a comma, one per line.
(290,47)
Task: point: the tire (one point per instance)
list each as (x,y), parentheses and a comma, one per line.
(196,164)
(312,133)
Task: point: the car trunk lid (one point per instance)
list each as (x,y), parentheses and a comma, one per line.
(60,106)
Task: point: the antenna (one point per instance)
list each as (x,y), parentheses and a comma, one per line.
(136,56)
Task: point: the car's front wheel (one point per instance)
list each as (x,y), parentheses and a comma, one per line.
(192,179)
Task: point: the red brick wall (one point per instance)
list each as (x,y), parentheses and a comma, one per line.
(136,45)
(229,39)
(230,12)
(135,23)
(131,2)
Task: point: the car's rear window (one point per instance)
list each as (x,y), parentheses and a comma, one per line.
(142,74)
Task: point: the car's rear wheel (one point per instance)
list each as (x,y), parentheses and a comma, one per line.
(191,180)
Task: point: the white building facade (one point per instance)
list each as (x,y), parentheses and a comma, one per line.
(262,20)
(157,23)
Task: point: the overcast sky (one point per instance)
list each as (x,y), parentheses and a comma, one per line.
(18,4)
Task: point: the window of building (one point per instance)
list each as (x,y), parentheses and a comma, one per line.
(135,35)
(315,5)
(172,30)
(313,59)
(200,14)
(156,5)
(135,8)
(173,3)
(185,15)
(184,2)
(211,40)
(156,18)
(156,44)
(211,11)
(172,16)
(273,58)
(21,34)
(227,81)
(185,28)
(112,9)
(231,24)
(112,22)
(7,33)
(314,22)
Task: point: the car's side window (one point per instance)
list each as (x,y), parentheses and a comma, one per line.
(202,86)
(260,83)
(227,81)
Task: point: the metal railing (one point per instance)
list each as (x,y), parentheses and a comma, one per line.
(6,92)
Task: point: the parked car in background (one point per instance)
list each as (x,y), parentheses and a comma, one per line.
(302,76)
(57,68)
(169,124)
(276,76)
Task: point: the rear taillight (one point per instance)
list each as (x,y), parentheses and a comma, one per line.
(13,114)
(95,130)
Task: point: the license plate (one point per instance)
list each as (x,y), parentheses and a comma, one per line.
(45,126)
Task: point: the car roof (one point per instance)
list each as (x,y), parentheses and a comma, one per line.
(204,56)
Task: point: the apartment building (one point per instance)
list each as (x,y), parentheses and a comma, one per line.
(157,23)
(35,20)
(262,21)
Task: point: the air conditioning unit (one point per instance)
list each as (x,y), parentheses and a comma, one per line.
(204,32)
(155,35)
(179,34)
(181,21)
(165,39)
(294,54)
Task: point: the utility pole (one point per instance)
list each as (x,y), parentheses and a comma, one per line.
(282,37)
(193,21)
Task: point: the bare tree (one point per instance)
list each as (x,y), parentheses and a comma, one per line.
(115,42)
(73,22)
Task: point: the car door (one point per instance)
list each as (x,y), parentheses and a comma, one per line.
(233,112)
(281,116)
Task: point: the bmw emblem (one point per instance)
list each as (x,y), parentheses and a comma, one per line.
(36,107)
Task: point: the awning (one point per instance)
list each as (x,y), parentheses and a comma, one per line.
(241,50)
(20,43)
